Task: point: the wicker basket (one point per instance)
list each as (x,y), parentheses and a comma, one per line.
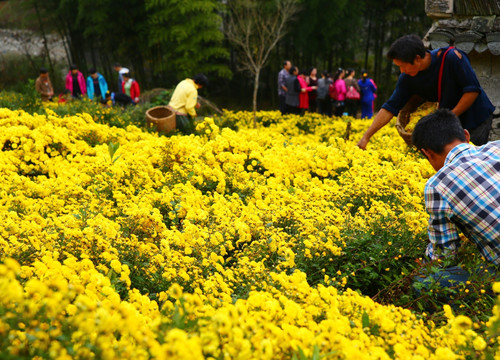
(404,117)
(162,118)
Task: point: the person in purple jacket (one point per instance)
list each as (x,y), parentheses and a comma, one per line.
(422,72)
(368,89)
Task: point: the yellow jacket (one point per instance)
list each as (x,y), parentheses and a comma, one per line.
(185,97)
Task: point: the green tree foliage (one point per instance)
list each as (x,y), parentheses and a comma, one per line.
(328,32)
(163,41)
(385,21)
(115,32)
(187,37)
(157,39)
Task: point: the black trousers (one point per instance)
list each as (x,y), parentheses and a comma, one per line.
(480,135)
(283,104)
(325,106)
(292,110)
(123,99)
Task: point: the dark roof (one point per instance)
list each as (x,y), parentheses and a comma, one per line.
(467,24)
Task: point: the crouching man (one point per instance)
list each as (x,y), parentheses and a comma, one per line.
(184,102)
(464,194)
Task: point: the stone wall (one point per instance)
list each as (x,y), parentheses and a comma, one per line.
(487,68)
(22,42)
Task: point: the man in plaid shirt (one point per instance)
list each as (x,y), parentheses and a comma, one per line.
(464,194)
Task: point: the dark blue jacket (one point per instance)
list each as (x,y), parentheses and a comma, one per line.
(458,78)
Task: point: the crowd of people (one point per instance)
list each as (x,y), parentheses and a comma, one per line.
(94,87)
(183,103)
(338,94)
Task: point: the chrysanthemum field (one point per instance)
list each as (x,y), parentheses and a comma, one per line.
(284,241)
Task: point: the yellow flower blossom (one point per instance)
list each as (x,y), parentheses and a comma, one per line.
(205,235)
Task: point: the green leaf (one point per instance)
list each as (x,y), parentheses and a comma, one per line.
(365,320)
(112,149)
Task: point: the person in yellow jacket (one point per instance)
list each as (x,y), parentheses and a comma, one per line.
(184,101)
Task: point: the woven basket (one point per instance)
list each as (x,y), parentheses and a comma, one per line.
(404,117)
(162,118)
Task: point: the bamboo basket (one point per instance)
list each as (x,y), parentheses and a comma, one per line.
(162,118)
(403,118)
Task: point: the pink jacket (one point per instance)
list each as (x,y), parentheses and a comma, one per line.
(304,96)
(81,82)
(340,89)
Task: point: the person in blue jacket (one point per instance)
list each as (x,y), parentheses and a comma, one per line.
(368,89)
(96,85)
(443,75)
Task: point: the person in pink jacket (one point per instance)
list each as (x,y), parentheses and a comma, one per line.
(304,92)
(338,91)
(75,82)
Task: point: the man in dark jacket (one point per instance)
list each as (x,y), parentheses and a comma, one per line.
(442,75)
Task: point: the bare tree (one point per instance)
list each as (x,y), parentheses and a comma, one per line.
(255,27)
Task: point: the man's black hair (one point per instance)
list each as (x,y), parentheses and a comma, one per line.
(73,67)
(292,70)
(437,130)
(117,64)
(92,71)
(406,49)
(43,70)
(201,79)
(285,62)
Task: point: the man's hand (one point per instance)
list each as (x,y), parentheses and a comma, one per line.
(362,143)
(379,121)
(198,105)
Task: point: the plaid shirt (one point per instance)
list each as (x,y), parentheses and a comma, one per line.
(465,195)
(282,76)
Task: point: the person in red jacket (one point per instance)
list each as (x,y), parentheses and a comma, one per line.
(130,87)
(304,92)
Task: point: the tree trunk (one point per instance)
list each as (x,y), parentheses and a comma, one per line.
(44,36)
(368,36)
(255,90)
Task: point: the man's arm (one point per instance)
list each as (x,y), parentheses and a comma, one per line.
(281,82)
(381,119)
(465,103)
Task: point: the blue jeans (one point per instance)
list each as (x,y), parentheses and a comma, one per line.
(451,276)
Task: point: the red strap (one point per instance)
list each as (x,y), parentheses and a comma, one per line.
(441,73)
